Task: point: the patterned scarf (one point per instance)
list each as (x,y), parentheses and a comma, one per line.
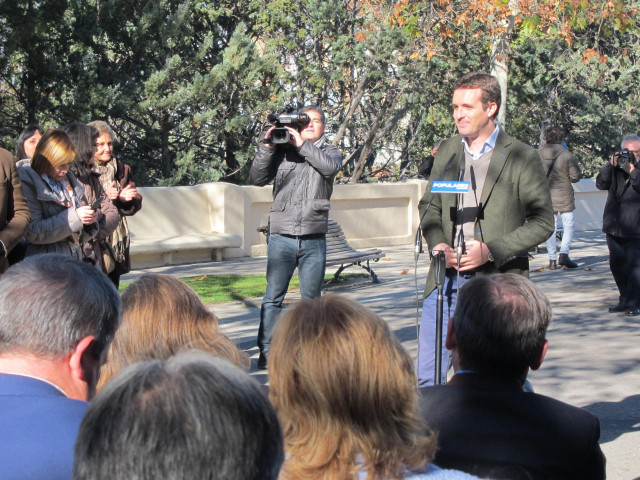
(119,239)
(62,191)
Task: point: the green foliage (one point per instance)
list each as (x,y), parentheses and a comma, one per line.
(187,84)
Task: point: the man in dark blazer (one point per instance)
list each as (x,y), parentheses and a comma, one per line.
(487,424)
(506,211)
(14,211)
(57,319)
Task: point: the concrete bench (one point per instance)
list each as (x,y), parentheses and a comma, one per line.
(339,252)
(175,227)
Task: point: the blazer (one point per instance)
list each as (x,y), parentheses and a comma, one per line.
(491,428)
(39,426)
(515,212)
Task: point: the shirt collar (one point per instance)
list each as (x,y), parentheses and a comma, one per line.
(489,144)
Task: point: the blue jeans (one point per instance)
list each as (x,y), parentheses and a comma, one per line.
(427,340)
(284,253)
(567,234)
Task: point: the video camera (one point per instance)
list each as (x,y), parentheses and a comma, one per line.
(289,116)
(625,157)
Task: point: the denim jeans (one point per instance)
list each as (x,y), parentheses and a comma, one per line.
(284,253)
(427,341)
(567,234)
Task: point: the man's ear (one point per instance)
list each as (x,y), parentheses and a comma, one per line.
(82,358)
(543,351)
(492,109)
(451,341)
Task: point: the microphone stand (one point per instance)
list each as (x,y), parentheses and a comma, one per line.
(440,264)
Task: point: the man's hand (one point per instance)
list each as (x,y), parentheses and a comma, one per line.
(86,215)
(449,254)
(477,254)
(294,137)
(267,135)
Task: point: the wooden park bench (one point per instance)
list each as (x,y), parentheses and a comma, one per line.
(339,252)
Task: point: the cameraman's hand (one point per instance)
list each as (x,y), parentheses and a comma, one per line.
(294,137)
(614,159)
(267,135)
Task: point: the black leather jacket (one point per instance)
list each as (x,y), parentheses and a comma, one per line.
(303,184)
(621,216)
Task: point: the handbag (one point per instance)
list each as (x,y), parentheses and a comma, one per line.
(108,257)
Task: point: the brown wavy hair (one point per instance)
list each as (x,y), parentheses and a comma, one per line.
(164,316)
(346,394)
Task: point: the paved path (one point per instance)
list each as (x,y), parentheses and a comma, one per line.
(593,359)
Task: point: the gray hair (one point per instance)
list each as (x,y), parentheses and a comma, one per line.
(104,127)
(500,323)
(191,416)
(49,302)
(632,137)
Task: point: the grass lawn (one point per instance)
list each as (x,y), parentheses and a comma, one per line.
(234,288)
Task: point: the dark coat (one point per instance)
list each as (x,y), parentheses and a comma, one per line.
(491,428)
(621,217)
(565,171)
(302,185)
(14,211)
(515,190)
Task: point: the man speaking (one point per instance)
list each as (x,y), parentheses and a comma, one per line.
(489,229)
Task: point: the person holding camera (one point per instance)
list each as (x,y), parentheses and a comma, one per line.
(302,165)
(621,222)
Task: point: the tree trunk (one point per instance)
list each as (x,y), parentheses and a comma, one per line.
(166,161)
(500,62)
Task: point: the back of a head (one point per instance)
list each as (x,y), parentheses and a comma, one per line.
(49,302)
(193,416)
(501,323)
(83,138)
(344,386)
(164,316)
(554,135)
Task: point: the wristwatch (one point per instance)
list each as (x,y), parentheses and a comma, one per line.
(490,257)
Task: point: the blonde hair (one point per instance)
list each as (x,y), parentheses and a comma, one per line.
(163,316)
(345,389)
(54,149)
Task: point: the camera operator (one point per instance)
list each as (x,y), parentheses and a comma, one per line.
(621,222)
(302,171)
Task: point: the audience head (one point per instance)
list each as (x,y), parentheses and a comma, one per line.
(105,142)
(27,141)
(344,388)
(54,150)
(84,139)
(488,84)
(191,416)
(554,135)
(500,325)
(163,316)
(54,307)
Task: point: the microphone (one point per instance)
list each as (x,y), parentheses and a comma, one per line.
(418,245)
(473,180)
(418,240)
(462,165)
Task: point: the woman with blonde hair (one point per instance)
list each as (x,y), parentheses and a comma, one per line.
(62,221)
(163,316)
(345,392)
